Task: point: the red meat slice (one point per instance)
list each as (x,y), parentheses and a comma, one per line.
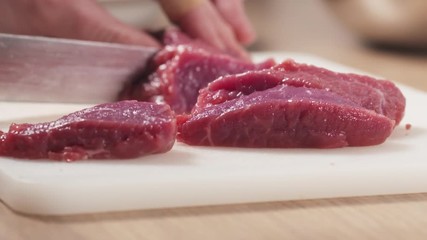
(382,96)
(182,70)
(293,105)
(126,129)
(183,67)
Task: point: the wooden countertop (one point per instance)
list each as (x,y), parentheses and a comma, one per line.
(300,26)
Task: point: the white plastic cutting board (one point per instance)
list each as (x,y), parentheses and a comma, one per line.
(190,176)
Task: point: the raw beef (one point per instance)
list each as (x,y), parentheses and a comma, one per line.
(379,95)
(126,129)
(181,69)
(293,105)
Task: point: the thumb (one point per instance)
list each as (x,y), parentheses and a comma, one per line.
(99,25)
(84,20)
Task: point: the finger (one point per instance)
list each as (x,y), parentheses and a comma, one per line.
(99,25)
(115,33)
(232,45)
(175,9)
(205,23)
(234,13)
(78,19)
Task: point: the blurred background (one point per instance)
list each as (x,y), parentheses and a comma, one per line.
(375,36)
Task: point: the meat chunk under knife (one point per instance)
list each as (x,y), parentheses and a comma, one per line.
(181,69)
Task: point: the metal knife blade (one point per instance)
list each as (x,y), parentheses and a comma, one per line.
(45,69)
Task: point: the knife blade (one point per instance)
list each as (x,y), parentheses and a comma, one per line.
(42,69)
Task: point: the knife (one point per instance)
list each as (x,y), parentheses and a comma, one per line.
(42,69)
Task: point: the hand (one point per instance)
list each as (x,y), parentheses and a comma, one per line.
(222,23)
(76,19)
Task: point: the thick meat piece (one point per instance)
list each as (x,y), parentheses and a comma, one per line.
(379,95)
(182,71)
(283,107)
(126,129)
(285,116)
(181,68)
